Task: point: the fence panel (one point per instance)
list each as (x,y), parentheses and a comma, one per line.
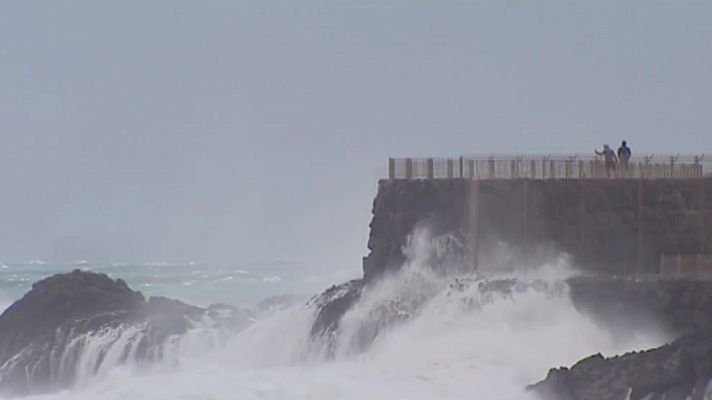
(548,167)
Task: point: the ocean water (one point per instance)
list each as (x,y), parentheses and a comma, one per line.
(194,283)
(455,341)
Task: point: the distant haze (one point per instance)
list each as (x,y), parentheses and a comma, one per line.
(238,132)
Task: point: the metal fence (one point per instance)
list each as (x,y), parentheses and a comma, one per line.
(548,167)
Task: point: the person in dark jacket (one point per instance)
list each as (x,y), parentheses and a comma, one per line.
(624,154)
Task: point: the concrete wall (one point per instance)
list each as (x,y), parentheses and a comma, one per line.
(611,225)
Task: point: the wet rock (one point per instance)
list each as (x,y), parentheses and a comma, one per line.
(331,305)
(680,370)
(44,334)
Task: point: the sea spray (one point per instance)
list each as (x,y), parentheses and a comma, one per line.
(466,341)
(422,333)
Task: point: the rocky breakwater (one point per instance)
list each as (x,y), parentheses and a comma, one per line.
(45,336)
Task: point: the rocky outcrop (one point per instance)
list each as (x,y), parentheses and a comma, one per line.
(680,370)
(78,296)
(43,335)
(332,305)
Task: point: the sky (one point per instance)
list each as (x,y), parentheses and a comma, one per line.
(256,131)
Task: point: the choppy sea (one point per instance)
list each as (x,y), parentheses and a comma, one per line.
(450,344)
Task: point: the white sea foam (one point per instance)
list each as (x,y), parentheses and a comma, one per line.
(454,339)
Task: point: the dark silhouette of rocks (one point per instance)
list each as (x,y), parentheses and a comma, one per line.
(77,296)
(41,334)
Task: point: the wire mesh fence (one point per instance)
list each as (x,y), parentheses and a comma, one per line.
(549,167)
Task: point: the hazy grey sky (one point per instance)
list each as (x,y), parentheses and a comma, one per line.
(233,131)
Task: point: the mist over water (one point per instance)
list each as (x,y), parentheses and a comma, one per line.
(449,336)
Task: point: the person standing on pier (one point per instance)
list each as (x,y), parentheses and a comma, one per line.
(610,158)
(624,154)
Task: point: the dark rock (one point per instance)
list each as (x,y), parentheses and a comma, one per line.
(43,334)
(333,304)
(678,306)
(64,298)
(677,371)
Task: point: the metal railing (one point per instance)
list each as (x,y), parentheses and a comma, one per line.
(548,167)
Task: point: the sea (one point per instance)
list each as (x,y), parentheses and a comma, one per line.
(453,344)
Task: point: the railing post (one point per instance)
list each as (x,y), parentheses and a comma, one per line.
(525,211)
(581,173)
(472,168)
(391,168)
(450,168)
(639,225)
(533,169)
(462,168)
(474,222)
(553,170)
(592,168)
(701,233)
(543,169)
(491,167)
(409,168)
(431,169)
(512,169)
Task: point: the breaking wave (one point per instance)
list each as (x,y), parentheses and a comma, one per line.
(419,334)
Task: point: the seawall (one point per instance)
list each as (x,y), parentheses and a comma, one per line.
(617,226)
